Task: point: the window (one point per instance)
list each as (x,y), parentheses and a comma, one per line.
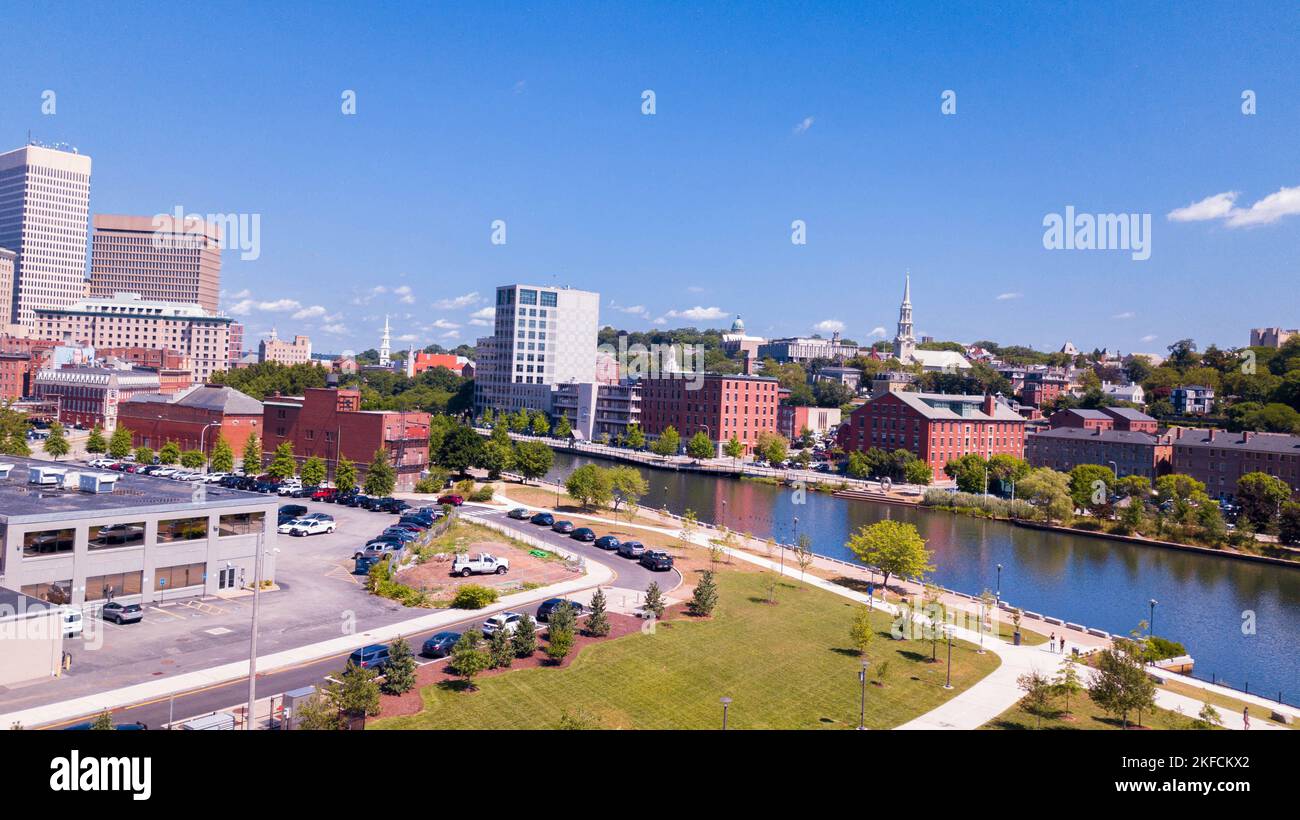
(101,587)
(48,542)
(183,575)
(113,536)
(548,300)
(241,524)
(182,529)
(54,592)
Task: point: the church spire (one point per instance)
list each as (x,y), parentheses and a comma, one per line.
(384,346)
(904,342)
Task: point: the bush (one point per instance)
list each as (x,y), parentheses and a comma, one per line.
(984,506)
(474,596)
(483,493)
(428,486)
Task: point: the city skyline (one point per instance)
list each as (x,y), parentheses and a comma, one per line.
(684,217)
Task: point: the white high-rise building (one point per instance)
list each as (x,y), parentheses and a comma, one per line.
(44,217)
(543,336)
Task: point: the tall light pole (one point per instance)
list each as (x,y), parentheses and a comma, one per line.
(862,678)
(726,701)
(947,630)
(252,641)
(999,592)
(202,434)
(1151,622)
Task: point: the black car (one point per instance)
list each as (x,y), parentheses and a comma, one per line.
(544,519)
(583,534)
(607,542)
(263,487)
(548,606)
(374,656)
(519,513)
(631,549)
(122,613)
(303,492)
(405,536)
(356,500)
(289,512)
(415,521)
(440,645)
(657,561)
(562,526)
(396,506)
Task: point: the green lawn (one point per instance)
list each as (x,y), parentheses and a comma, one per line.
(1087,715)
(786,666)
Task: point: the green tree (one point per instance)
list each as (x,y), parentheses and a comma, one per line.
(969,471)
(119,444)
(14,429)
(96,443)
(345,475)
(1288,531)
(439,426)
(283,464)
(562,427)
(170,453)
(501,651)
(1038,694)
(495,457)
(540,425)
(103,722)
(654,600)
(468,658)
(57,443)
(733,449)
(700,446)
(1261,497)
(917,472)
(317,713)
(627,486)
(192,459)
(313,471)
(772,447)
(893,547)
(859,465)
(1068,683)
(252,461)
(1090,487)
(634,437)
(144,455)
(1121,684)
(1048,490)
(533,459)
(357,692)
(861,631)
(668,442)
(524,639)
(223,457)
(591,485)
(460,449)
(399,674)
(598,618)
(705,598)
(381,477)
(558,645)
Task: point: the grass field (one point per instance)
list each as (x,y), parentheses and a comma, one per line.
(787,666)
(1086,715)
(1224,703)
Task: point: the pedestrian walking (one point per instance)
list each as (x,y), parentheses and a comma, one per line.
(1245,716)
(1051,643)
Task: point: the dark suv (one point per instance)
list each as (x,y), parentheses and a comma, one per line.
(374,656)
(548,606)
(544,519)
(657,561)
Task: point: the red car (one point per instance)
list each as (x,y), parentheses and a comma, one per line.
(322,493)
(453,500)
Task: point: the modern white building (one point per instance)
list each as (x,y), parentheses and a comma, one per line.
(44,217)
(542,337)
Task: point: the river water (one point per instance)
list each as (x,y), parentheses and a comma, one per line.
(1203,600)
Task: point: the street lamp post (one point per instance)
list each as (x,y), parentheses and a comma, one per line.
(726,701)
(252,642)
(1151,622)
(862,678)
(202,436)
(999,592)
(947,630)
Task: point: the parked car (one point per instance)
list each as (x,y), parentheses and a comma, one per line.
(318,516)
(656,561)
(374,656)
(288,488)
(453,499)
(122,613)
(543,519)
(519,514)
(507,622)
(355,500)
(300,527)
(414,521)
(607,542)
(378,548)
(467,564)
(323,493)
(395,506)
(292,511)
(548,606)
(403,535)
(631,549)
(583,534)
(440,645)
(562,526)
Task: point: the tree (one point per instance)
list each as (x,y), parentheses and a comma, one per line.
(1208,718)
(861,631)
(103,722)
(558,645)
(772,447)
(57,444)
(598,618)
(357,692)
(700,446)
(1038,694)
(495,457)
(1090,487)
(193,459)
(668,442)
(654,600)
(533,459)
(893,547)
(380,475)
(917,472)
(170,453)
(144,455)
(459,449)
(252,461)
(1048,490)
(1121,684)
(14,428)
(345,475)
(119,444)
(1068,683)
(524,639)
(803,553)
(562,427)
(627,486)
(1261,497)
(705,597)
(283,464)
(95,443)
(591,485)
(313,471)
(399,674)
(634,437)
(468,658)
(1288,531)
(317,713)
(501,651)
(969,471)
(223,457)
(733,449)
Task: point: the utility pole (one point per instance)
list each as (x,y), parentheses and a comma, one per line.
(252,642)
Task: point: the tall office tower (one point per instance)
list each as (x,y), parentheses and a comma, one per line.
(8,263)
(543,336)
(44,206)
(159,258)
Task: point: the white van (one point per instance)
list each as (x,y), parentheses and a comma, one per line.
(72,624)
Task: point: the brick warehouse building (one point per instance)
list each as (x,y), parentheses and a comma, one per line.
(195,418)
(1218,458)
(328,423)
(90,396)
(1119,437)
(723,406)
(935,427)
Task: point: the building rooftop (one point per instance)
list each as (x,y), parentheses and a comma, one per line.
(15,605)
(1109,436)
(1128,413)
(943,407)
(1252,442)
(214,397)
(135,306)
(33,502)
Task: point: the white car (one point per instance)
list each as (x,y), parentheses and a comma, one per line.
(288,487)
(213,478)
(507,622)
(305,526)
(102,462)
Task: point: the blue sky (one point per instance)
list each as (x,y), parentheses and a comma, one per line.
(765,113)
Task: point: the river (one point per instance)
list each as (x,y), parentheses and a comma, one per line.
(1203,600)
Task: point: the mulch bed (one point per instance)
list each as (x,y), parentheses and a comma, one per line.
(436,673)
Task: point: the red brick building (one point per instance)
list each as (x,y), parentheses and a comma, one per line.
(1219,458)
(935,427)
(14,375)
(1040,387)
(330,423)
(1107,418)
(722,406)
(195,418)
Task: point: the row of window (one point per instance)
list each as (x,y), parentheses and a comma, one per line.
(41,543)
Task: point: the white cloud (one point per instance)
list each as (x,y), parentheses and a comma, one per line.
(408,338)
(405,294)
(1128,314)
(485,313)
(443,324)
(1281,203)
(698,314)
(695,289)
(829,326)
(635,310)
(313,312)
(1015,294)
(451,334)
(521,86)
(1150,337)
(804,125)
(480,323)
(246,306)
(337,329)
(458,302)
(877,331)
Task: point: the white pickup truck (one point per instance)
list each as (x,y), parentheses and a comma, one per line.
(466,565)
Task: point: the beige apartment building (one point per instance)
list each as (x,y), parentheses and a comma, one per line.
(127,320)
(157,257)
(44,214)
(8,274)
(275,349)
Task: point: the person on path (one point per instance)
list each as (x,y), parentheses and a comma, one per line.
(1245,717)
(1051,643)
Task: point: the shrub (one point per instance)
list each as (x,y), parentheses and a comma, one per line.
(483,493)
(474,596)
(427,486)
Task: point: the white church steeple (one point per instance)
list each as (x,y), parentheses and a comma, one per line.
(904,342)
